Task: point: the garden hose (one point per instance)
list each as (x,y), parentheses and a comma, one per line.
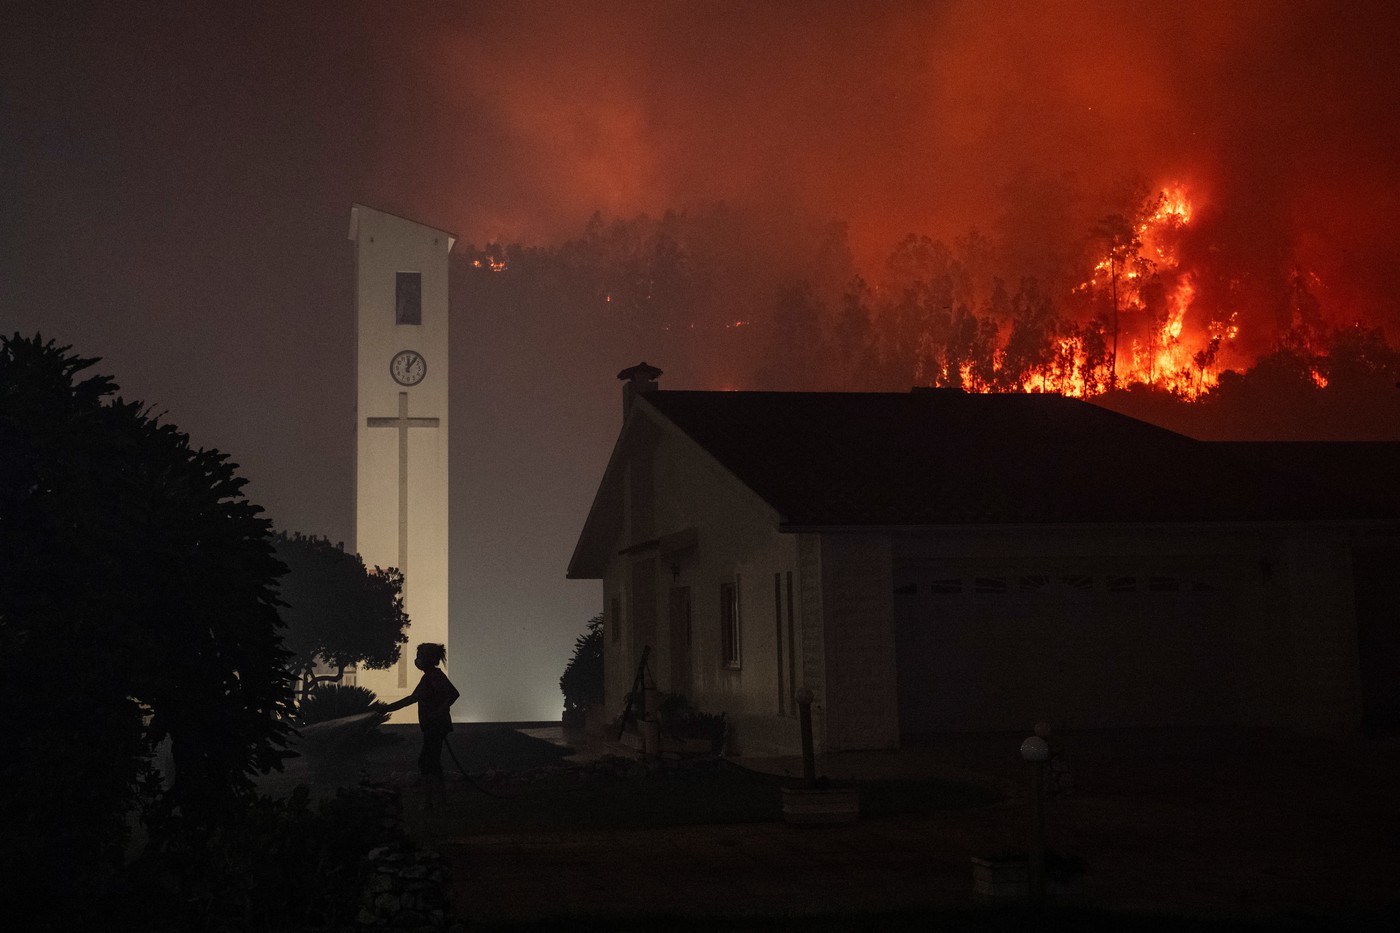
(465,776)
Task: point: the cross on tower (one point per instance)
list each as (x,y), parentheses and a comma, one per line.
(403,422)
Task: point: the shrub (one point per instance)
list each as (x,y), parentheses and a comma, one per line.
(283,864)
(332,701)
(582,683)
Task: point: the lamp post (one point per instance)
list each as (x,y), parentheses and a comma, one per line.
(1036,751)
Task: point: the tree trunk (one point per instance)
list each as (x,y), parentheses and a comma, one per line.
(335,678)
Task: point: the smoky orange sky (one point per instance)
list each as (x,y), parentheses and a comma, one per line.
(178,177)
(1281,118)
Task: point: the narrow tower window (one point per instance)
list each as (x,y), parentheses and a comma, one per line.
(408,298)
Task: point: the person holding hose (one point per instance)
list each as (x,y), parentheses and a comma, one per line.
(434,696)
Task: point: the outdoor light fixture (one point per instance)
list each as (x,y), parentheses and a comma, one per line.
(1035,749)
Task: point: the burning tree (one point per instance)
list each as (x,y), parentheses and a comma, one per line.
(1137,317)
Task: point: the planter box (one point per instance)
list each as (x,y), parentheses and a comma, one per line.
(646,740)
(688,748)
(999,878)
(815,805)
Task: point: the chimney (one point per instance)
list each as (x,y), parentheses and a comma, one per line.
(638,379)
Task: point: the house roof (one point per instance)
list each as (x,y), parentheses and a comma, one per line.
(942,457)
(936,457)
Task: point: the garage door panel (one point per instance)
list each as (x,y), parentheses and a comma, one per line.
(1089,660)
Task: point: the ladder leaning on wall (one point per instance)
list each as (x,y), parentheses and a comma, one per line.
(636,707)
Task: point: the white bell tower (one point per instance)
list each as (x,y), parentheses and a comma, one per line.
(401,421)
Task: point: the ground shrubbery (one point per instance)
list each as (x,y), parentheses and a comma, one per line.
(282,864)
(334,701)
(680,720)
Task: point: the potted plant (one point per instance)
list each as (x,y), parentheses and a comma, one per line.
(689,731)
(1001,876)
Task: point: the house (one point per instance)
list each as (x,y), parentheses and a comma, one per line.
(940,561)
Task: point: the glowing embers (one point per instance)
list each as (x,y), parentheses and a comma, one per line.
(489,261)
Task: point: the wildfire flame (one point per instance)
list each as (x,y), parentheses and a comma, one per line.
(1162,338)
(489,262)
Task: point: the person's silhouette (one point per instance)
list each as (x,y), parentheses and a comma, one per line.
(434,696)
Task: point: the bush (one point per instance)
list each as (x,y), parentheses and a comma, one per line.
(138,602)
(285,864)
(582,683)
(333,701)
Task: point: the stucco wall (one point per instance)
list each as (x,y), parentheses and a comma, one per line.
(385,246)
(735,539)
(858,627)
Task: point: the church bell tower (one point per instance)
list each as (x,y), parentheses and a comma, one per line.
(401,420)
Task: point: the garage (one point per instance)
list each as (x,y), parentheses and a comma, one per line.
(984,648)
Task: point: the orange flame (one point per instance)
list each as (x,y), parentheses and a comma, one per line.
(1166,343)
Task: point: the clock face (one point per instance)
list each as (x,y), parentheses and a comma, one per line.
(408,367)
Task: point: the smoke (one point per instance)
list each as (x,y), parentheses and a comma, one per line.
(1023,120)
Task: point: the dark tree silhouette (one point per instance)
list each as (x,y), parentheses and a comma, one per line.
(337,610)
(1030,346)
(582,680)
(795,354)
(137,602)
(853,340)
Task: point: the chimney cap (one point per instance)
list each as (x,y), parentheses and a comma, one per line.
(642,372)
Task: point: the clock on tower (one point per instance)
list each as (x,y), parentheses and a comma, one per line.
(408,367)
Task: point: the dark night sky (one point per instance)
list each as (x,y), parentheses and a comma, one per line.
(179,177)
